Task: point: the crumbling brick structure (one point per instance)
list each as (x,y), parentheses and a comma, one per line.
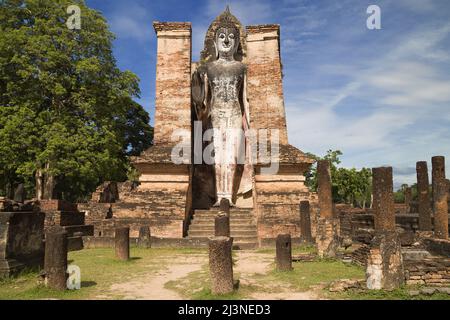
(169,194)
(21,240)
(385,261)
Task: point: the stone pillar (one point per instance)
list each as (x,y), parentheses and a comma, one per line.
(327,226)
(173,80)
(225,206)
(305,222)
(324,189)
(55,259)
(144,240)
(327,239)
(383,199)
(423,196)
(437,173)
(19,194)
(385,261)
(284,252)
(221,265)
(122,243)
(408,198)
(222,225)
(441,209)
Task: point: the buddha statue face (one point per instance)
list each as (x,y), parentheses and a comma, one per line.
(227,41)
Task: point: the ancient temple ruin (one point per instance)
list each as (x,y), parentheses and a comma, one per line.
(177,199)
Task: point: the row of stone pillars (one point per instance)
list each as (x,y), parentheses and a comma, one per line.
(56,248)
(385,262)
(439,197)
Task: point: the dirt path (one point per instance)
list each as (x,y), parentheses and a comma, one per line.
(248,264)
(151,287)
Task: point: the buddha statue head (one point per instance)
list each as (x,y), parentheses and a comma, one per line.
(226,38)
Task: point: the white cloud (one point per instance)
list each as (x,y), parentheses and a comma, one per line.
(423,44)
(418,5)
(131,22)
(402,92)
(410,85)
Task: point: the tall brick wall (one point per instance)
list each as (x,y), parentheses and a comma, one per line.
(173,79)
(163,200)
(265,87)
(278,196)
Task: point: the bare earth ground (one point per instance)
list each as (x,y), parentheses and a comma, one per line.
(152,286)
(248,264)
(182,273)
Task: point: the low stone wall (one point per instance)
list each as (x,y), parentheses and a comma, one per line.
(21,241)
(359,224)
(95,212)
(271,242)
(156,242)
(360,255)
(64,218)
(57,205)
(430,272)
(425,270)
(278,211)
(438,246)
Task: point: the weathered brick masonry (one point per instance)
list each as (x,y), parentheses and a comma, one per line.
(163,198)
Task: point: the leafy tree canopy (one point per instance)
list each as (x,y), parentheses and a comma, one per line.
(349,186)
(66,110)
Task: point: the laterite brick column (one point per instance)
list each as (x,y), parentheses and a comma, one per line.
(408,199)
(385,262)
(284,252)
(423,193)
(305,222)
(437,172)
(55,261)
(221,265)
(122,243)
(327,226)
(441,209)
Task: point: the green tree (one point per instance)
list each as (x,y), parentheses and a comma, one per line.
(349,186)
(399,195)
(67,115)
(332,156)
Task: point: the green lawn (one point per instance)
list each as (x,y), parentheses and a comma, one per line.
(99,269)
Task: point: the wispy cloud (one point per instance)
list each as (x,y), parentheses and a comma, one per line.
(381,110)
(382,97)
(131,21)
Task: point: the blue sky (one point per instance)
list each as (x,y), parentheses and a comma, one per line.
(382,97)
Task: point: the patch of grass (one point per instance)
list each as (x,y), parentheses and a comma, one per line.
(308,274)
(196,286)
(99,270)
(205,294)
(301,249)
